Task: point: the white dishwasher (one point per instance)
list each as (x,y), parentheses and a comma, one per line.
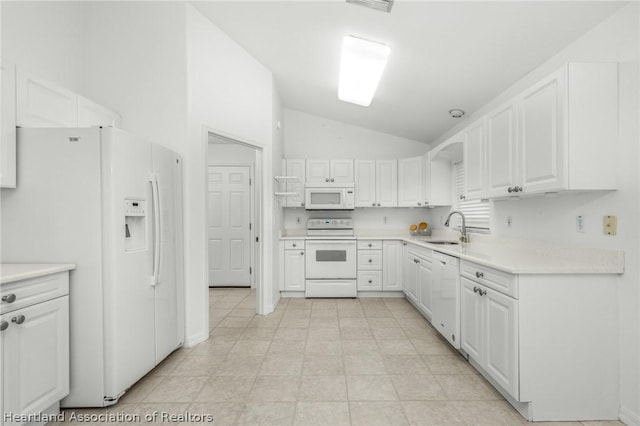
(445,293)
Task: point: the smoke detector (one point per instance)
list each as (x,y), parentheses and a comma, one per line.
(381,5)
(456,113)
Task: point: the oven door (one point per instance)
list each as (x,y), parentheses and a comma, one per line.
(326,259)
(324,199)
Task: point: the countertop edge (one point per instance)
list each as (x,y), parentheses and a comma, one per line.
(24,271)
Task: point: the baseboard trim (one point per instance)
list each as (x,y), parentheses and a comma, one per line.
(628,417)
(195,339)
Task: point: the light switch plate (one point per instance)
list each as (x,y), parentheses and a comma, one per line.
(610,225)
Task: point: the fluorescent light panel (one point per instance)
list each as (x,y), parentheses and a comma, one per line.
(361,67)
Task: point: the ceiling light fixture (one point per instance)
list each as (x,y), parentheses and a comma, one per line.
(456,113)
(381,5)
(361,66)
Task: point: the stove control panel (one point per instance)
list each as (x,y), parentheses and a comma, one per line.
(330,224)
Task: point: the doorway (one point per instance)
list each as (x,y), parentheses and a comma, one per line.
(233,208)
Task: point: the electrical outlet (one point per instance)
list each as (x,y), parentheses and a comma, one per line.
(580,224)
(509,221)
(610,225)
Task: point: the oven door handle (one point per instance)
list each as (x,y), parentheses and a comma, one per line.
(324,243)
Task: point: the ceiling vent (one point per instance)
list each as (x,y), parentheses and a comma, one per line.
(381,5)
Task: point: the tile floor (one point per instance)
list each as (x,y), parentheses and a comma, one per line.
(368,361)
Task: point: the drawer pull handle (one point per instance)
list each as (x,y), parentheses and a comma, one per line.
(4,325)
(19,319)
(9,298)
(479,275)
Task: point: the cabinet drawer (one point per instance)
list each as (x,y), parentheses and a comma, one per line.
(497,280)
(293,244)
(369,280)
(370,259)
(33,290)
(370,245)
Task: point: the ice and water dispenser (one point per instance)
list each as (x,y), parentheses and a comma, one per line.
(135,224)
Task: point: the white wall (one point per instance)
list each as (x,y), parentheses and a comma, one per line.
(554,219)
(311,136)
(230,153)
(45,38)
(278,212)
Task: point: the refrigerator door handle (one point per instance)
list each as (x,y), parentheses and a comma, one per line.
(155,194)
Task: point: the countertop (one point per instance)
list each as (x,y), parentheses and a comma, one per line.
(10,272)
(510,255)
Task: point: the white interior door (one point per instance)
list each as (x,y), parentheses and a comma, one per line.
(229,231)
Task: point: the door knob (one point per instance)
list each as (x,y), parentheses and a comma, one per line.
(9,298)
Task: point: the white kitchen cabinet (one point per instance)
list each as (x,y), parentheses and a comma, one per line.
(329,171)
(501,150)
(370,265)
(91,114)
(392,265)
(295,168)
(568,129)
(426,178)
(473,160)
(35,344)
(294,273)
(41,103)
(410,182)
(410,275)
(425,280)
(8,129)
(417,278)
(376,183)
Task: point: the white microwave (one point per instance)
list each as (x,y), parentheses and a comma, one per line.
(329,197)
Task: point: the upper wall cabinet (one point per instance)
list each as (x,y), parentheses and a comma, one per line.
(501,150)
(329,171)
(41,103)
(568,130)
(410,182)
(473,150)
(8,129)
(376,183)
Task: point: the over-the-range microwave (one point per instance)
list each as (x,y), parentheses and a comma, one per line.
(335,197)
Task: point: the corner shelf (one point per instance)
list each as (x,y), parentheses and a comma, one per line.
(286,179)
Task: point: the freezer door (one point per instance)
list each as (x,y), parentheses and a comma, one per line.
(169,331)
(128,290)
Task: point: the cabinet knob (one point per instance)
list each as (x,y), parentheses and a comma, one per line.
(19,319)
(378,204)
(475,289)
(517,189)
(4,325)
(373,204)
(419,203)
(370,260)
(294,245)
(370,281)
(369,244)
(326,180)
(479,275)
(462,197)
(301,253)
(9,298)
(302,204)
(481,292)
(332,179)
(510,189)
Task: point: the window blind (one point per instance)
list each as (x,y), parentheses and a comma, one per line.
(476,212)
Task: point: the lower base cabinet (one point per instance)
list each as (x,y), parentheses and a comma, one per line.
(294,272)
(417,278)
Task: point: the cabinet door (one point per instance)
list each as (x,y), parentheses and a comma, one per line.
(410,275)
(387,183)
(424,279)
(471,328)
(8,129)
(36,356)
(341,171)
(91,114)
(44,104)
(426,178)
(501,339)
(473,160)
(365,183)
(317,171)
(542,135)
(294,270)
(410,192)
(501,150)
(392,265)
(296,168)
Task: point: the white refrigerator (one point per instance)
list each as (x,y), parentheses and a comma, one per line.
(112,204)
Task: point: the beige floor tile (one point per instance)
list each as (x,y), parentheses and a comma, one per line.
(358,365)
(176,389)
(294,323)
(223,413)
(382,322)
(488,413)
(265,321)
(322,365)
(291,334)
(267,413)
(344,313)
(432,413)
(238,311)
(324,304)
(378,313)
(418,388)
(323,388)
(166,367)
(377,413)
(227,333)
(322,414)
(212,347)
(280,364)
(405,364)
(287,346)
(432,345)
(353,322)
(300,303)
(324,333)
(296,313)
(258,333)
(194,366)
(602,423)
(324,347)
(388,333)
(371,388)
(396,347)
(328,313)
(315,322)
(159,413)
(226,389)
(250,347)
(235,322)
(359,347)
(448,364)
(466,387)
(275,389)
(239,365)
(140,390)
(355,333)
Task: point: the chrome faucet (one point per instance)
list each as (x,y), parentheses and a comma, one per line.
(463,238)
